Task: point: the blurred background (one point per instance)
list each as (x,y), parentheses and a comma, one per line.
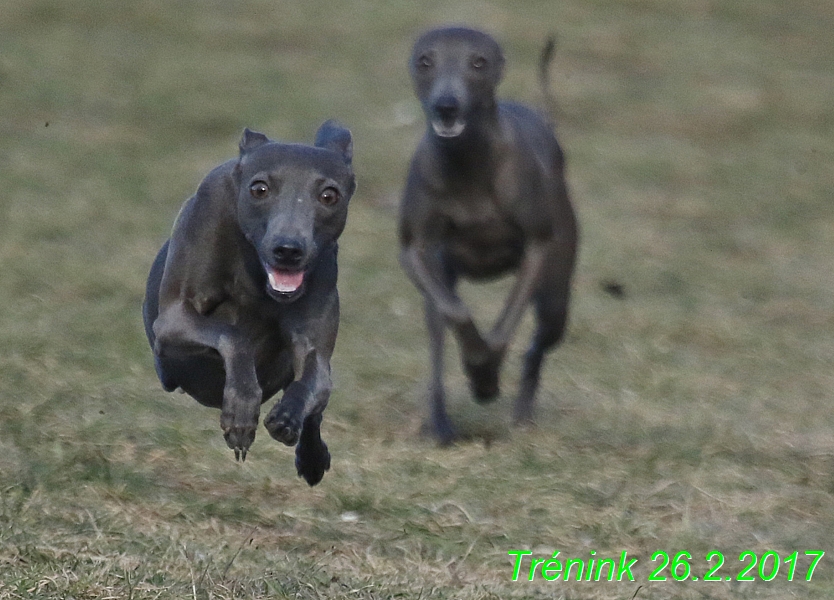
(689,408)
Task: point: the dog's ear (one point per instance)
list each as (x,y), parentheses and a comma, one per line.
(251,140)
(333,136)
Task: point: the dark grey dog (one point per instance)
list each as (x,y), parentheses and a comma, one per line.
(485,195)
(241,301)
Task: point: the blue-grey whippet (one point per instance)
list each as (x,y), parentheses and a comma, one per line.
(485,195)
(241,301)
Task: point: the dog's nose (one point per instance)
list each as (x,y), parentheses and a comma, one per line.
(288,253)
(447,107)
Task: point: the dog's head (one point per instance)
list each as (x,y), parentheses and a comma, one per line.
(292,202)
(455,71)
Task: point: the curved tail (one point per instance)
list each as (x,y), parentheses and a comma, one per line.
(546,57)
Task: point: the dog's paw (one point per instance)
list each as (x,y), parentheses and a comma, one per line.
(283,425)
(284,428)
(311,461)
(440,428)
(239,437)
(444,433)
(484,377)
(239,418)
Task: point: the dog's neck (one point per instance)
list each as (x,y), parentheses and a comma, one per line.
(473,153)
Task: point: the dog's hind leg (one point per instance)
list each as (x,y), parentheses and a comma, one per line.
(150,311)
(441,427)
(551,308)
(311,456)
(484,368)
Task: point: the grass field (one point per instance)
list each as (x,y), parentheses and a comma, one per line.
(695,413)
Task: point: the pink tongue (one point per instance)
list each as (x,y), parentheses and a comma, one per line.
(285,281)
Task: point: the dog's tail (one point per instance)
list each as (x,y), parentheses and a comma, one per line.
(548,52)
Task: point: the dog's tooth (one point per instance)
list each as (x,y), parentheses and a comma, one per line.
(448,131)
(284,282)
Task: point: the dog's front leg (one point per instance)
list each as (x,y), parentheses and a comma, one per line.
(422,271)
(297,417)
(480,361)
(525,285)
(307,395)
(181,325)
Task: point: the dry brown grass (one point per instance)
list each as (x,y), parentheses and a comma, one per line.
(692,414)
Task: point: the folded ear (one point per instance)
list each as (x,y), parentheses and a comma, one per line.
(333,136)
(251,140)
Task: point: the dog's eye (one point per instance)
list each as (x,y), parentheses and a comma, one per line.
(259,190)
(479,62)
(425,62)
(329,196)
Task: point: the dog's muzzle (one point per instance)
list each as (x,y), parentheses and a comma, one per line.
(448,131)
(285,272)
(284,282)
(445,119)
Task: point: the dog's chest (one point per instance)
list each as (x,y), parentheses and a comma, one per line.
(477,219)
(480,238)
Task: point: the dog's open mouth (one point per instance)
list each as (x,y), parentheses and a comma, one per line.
(284,282)
(450,130)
